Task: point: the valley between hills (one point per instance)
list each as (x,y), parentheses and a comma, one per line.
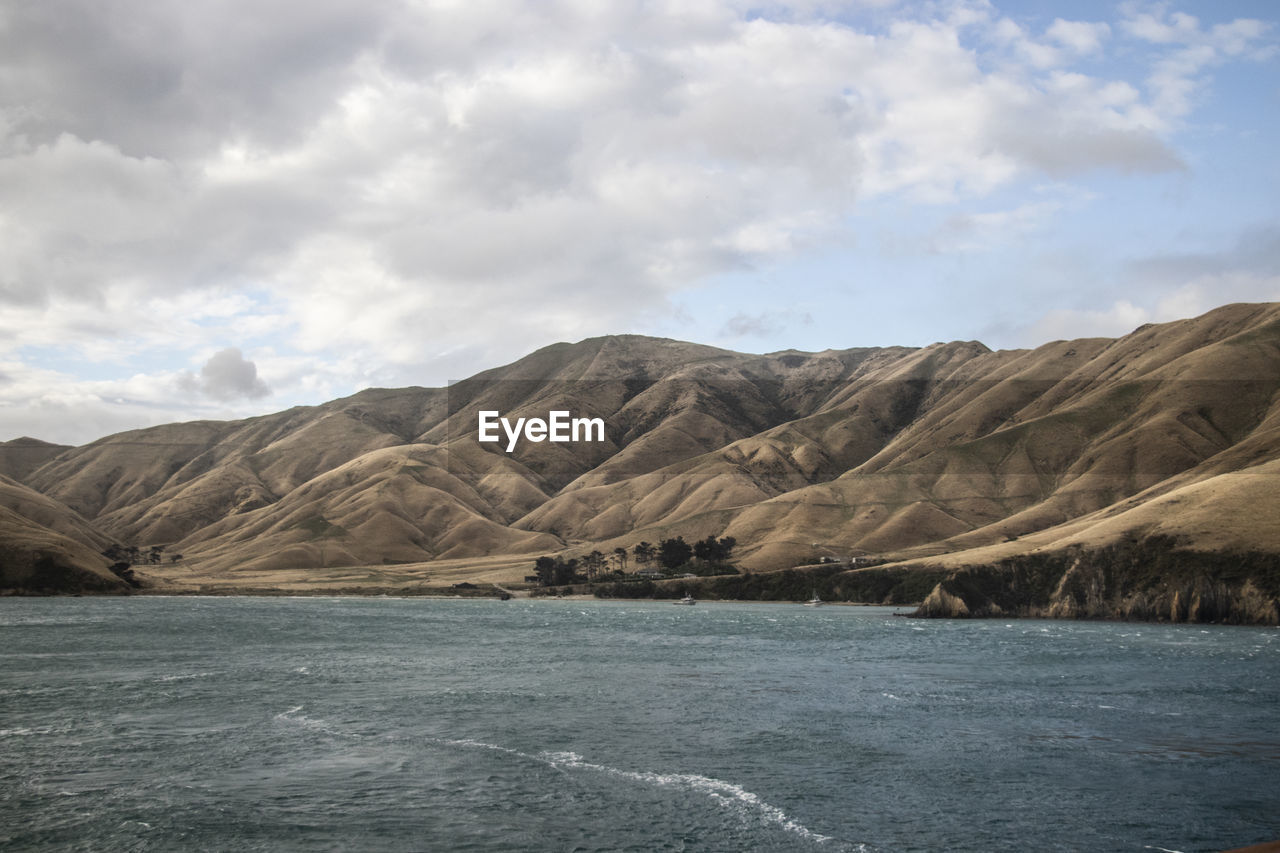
(1136,477)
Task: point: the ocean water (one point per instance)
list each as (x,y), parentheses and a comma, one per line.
(174,724)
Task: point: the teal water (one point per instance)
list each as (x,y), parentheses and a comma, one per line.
(175,724)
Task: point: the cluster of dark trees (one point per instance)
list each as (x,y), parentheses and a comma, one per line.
(556,571)
(673,554)
(133,555)
(829,581)
(706,556)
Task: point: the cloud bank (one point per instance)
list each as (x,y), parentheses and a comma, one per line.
(396,191)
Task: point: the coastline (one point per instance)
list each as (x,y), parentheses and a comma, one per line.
(377,592)
(1145,580)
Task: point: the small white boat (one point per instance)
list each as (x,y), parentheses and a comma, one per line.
(688,599)
(814,602)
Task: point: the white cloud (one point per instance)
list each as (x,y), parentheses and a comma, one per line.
(1123,316)
(1173,287)
(63,408)
(1120,318)
(1156,24)
(227,375)
(1177,79)
(763,324)
(1079,36)
(375,184)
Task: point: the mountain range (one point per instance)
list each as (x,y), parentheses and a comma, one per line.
(942,457)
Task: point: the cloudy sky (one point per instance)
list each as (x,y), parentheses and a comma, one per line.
(216,208)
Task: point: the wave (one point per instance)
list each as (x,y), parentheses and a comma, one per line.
(294,716)
(23,731)
(190,676)
(726,794)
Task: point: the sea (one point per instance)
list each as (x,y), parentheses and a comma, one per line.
(407,724)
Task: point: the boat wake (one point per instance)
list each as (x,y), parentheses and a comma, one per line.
(748,806)
(725,794)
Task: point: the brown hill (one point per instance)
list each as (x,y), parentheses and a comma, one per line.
(895,452)
(21,456)
(46,547)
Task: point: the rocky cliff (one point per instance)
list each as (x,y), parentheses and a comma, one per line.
(1149,579)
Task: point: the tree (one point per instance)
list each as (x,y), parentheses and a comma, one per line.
(556,571)
(566,571)
(711,555)
(713,551)
(645,553)
(593,563)
(620,554)
(674,553)
(545,567)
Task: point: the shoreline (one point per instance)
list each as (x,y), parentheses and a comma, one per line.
(347,593)
(901,610)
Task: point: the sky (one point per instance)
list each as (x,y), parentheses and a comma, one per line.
(225,208)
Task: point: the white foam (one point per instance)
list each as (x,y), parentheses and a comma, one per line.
(186,677)
(294,717)
(723,793)
(479,744)
(23,731)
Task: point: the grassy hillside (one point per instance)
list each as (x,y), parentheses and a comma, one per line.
(938,457)
(45,547)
